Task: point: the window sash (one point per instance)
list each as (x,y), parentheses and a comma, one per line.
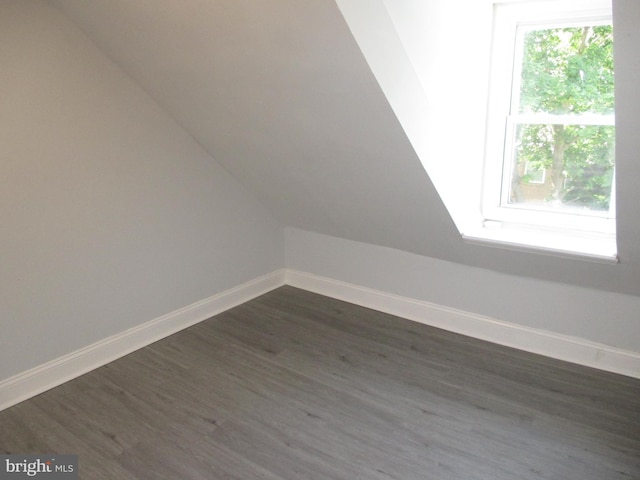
(508,163)
(511,20)
(552,119)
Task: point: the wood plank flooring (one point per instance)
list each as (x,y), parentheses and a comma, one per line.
(294,385)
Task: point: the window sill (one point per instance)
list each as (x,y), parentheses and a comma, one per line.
(589,246)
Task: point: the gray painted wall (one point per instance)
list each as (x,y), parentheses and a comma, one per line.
(280,94)
(111,214)
(603,317)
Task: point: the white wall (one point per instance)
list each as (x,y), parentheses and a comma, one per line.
(110,214)
(598,316)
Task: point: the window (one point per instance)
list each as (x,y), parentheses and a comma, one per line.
(551,137)
(439,86)
(534,173)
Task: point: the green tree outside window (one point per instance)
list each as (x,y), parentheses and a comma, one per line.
(566,72)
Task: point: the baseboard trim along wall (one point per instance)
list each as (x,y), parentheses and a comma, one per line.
(575,350)
(561,347)
(56,372)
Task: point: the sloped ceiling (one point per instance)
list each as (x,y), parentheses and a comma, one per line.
(278,92)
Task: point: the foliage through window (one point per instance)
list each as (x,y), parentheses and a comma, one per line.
(551,132)
(561,119)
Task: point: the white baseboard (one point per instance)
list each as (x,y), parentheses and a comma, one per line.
(554,345)
(56,372)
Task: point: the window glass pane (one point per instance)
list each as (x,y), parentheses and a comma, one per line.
(559,156)
(567,70)
(568,167)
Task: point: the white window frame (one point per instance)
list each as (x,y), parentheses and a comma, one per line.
(505,66)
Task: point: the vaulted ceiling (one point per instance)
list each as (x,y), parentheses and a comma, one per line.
(278,92)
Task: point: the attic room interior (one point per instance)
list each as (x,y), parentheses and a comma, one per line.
(236,243)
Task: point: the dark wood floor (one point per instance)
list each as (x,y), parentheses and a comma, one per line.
(297,386)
